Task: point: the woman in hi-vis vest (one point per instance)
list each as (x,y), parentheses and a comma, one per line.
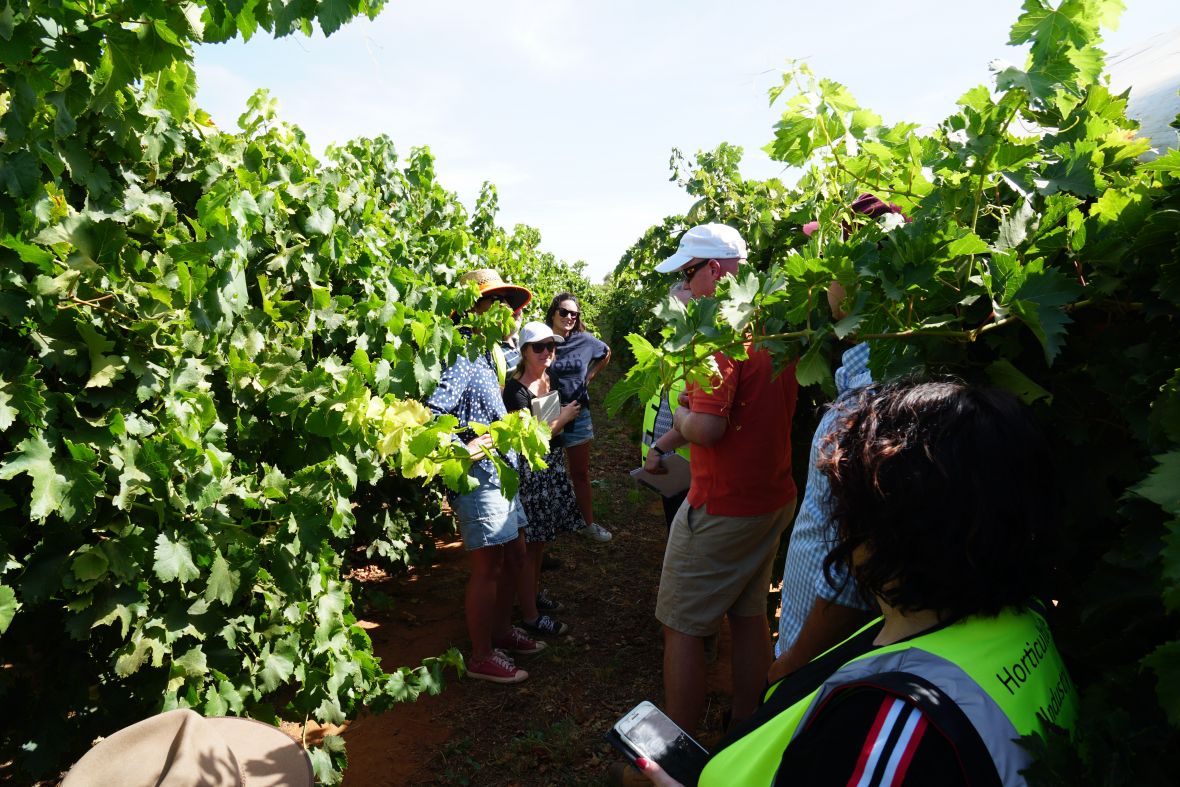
(944,502)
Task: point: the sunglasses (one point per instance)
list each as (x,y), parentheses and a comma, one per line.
(543,347)
(568,313)
(496,297)
(688,273)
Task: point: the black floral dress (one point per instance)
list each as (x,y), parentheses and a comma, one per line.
(547,495)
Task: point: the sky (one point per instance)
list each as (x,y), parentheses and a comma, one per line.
(573,108)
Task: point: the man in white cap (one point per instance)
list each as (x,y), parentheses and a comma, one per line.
(724,537)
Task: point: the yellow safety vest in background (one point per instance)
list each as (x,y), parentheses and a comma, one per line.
(501,364)
(649,419)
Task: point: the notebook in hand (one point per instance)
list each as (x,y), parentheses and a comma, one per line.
(676,480)
(546,408)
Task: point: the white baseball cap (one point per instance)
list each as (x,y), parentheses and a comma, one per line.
(705,242)
(537,332)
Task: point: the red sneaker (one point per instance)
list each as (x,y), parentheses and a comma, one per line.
(497,668)
(517,641)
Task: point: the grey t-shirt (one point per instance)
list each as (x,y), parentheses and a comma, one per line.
(569,369)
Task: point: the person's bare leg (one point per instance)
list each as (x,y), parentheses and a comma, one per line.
(750,659)
(684,679)
(526,581)
(536,556)
(479,602)
(577,461)
(506,588)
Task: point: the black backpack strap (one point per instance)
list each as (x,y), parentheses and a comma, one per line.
(941,713)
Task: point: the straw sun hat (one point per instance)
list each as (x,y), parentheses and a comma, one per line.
(181,748)
(490,283)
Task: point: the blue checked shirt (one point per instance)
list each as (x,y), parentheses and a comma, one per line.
(814,535)
(511,356)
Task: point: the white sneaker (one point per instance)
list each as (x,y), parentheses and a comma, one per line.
(596,532)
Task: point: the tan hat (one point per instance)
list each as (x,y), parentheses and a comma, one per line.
(181,748)
(490,283)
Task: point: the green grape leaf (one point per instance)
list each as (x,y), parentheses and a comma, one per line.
(455,476)
(1047,323)
(34,457)
(320,222)
(1003,374)
(276,667)
(104,369)
(90,564)
(1162,485)
(193,662)
(7,22)
(174,561)
(509,479)
(329,710)
(322,760)
(223,699)
(329,612)
(738,306)
(1047,26)
(223,581)
(9,606)
(1015,227)
(812,368)
(1169,162)
(136,653)
(967,244)
(8,413)
(332,14)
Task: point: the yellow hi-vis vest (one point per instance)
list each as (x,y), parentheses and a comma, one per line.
(501,364)
(649,419)
(1004,673)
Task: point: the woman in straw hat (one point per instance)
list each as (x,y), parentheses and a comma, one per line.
(491,525)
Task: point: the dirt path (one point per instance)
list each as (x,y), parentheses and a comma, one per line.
(549,729)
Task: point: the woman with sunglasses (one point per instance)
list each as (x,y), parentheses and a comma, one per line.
(579,358)
(547,495)
(491,525)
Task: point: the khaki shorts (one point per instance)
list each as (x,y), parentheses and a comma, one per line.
(715,565)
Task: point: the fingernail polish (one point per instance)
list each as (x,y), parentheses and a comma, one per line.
(641,763)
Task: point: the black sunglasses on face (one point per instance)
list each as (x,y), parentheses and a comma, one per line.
(496,297)
(688,273)
(541,347)
(568,313)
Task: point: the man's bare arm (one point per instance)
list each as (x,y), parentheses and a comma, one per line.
(827,624)
(699,428)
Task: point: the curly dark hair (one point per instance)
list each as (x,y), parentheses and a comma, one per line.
(556,304)
(943,497)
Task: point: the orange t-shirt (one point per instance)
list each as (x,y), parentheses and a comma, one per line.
(748,471)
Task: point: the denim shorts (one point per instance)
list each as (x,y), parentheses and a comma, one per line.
(578,431)
(486,518)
